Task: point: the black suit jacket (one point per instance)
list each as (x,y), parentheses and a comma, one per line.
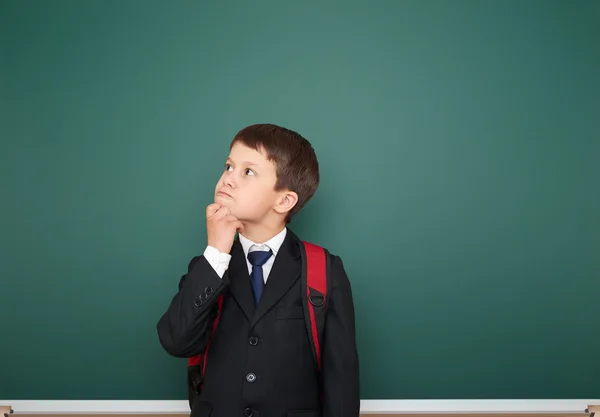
(260,361)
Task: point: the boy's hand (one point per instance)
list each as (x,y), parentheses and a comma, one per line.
(221,227)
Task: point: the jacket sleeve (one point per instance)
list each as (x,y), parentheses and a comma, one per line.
(340,373)
(184,329)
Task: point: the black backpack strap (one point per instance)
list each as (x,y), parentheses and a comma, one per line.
(315,284)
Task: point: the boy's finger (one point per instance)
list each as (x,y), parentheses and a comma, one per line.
(222,212)
(239,226)
(211,210)
(230,218)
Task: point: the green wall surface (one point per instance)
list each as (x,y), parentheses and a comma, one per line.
(459,144)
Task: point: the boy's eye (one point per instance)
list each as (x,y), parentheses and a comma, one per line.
(247,171)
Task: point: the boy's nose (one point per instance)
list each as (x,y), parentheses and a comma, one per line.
(229,181)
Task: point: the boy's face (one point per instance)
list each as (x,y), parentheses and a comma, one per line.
(247,185)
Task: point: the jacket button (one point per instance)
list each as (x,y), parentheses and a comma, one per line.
(203,296)
(198,302)
(253,341)
(248,412)
(250,377)
(209,290)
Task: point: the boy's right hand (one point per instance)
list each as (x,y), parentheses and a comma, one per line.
(221,227)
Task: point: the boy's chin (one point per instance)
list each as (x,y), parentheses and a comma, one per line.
(222,200)
(226,202)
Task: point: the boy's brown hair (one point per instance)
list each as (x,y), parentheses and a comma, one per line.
(293,155)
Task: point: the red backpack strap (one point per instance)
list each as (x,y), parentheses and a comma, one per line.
(197,364)
(315,267)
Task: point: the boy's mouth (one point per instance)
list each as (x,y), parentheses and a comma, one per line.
(224,194)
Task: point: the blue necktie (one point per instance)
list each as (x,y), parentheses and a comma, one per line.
(258,259)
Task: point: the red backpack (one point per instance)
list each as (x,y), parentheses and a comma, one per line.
(315,268)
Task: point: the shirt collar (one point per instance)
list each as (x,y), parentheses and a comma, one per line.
(274,243)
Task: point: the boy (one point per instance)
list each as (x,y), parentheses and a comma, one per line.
(260,361)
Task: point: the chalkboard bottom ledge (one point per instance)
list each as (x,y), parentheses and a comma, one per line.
(372,408)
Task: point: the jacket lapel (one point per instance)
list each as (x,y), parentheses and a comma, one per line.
(239,280)
(284,273)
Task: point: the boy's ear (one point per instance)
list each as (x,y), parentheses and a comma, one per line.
(286,202)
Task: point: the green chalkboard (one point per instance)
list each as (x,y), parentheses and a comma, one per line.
(459,144)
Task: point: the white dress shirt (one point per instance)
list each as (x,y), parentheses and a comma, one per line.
(220,261)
